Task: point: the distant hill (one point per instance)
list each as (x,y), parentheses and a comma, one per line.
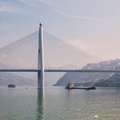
(8,78)
(90,77)
(113,81)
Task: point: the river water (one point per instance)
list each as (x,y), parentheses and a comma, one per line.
(57,103)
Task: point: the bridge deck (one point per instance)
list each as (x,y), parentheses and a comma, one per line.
(57,70)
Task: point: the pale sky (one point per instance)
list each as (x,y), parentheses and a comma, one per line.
(91,25)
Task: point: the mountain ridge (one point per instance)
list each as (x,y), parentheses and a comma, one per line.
(87,77)
(8,78)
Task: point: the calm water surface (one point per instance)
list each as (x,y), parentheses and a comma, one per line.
(57,103)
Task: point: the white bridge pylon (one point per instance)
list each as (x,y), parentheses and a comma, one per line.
(40,59)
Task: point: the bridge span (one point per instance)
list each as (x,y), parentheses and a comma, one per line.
(15,58)
(57,70)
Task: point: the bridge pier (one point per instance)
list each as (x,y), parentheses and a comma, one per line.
(40,59)
(40,80)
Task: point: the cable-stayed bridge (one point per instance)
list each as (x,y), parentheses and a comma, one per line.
(41,52)
(23,54)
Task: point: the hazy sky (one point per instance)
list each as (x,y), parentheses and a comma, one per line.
(91,25)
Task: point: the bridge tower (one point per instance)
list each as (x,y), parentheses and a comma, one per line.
(40,59)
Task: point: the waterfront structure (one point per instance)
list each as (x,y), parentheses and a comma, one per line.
(14,63)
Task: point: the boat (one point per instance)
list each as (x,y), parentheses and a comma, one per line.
(71,86)
(11,85)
